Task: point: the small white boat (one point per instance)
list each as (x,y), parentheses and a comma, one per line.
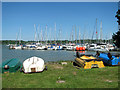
(70,48)
(91,47)
(45,47)
(64,47)
(59,47)
(31,46)
(18,47)
(54,48)
(24,47)
(101,49)
(95,47)
(33,64)
(11,47)
(110,47)
(39,48)
(50,48)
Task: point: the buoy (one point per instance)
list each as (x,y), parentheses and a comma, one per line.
(77,48)
(80,48)
(83,48)
(80,51)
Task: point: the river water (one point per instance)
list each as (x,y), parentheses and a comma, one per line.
(47,55)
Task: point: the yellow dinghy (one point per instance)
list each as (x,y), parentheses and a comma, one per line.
(88,62)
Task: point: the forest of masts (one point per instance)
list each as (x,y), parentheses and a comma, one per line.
(74,36)
(54,37)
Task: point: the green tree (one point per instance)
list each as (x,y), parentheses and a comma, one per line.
(116,38)
(118,16)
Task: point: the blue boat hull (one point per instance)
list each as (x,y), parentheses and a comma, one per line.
(108,61)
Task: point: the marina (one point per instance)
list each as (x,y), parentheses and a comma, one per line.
(47,55)
(60,45)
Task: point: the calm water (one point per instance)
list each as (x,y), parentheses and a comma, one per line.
(47,55)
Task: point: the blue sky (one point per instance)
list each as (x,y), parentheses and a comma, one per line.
(66,14)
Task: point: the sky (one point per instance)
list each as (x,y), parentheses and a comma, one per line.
(66,15)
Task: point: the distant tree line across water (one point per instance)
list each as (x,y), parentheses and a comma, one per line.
(5,42)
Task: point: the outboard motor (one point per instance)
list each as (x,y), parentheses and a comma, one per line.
(77,55)
(110,56)
(97,53)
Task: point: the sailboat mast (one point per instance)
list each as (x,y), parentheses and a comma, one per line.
(41,36)
(59,35)
(93,33)
(75,34)
(38,33)
(20,36)
(79,36)
(16,38)
(55,33)
(35,33)
(46,34)
(84,37)
(110,38)
(106,38)
(96,32)
(101,32)
(66,37)
(50,35)
(72,34)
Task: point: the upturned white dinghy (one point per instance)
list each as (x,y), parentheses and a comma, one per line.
(33,64)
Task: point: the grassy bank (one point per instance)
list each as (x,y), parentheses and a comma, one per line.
(63,76)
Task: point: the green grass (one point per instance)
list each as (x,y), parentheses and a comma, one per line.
(74,78)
